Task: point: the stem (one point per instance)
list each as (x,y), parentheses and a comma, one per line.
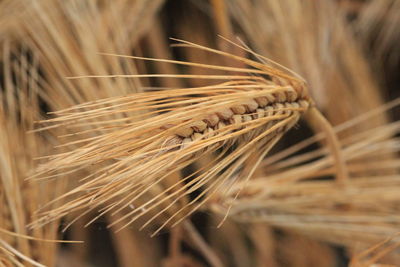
(319,121)
(175,245)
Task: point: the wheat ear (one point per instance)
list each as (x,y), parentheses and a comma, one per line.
(159,133)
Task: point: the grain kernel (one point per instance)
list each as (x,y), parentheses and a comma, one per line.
(225,114)
(304,104)
(212,120)
(196,136)
(209,132)
(280,97)
(198,126)
(279,107)
(186,142)
(184,132)
(240,109)
(270,97)
(260,113)
(269,111)
(236,119)
(262,101)
(173,142)
(221,125)
(291,95)
(288,107)
(246,118)
(250,105)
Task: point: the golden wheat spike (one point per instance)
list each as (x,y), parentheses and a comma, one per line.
(159,133)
